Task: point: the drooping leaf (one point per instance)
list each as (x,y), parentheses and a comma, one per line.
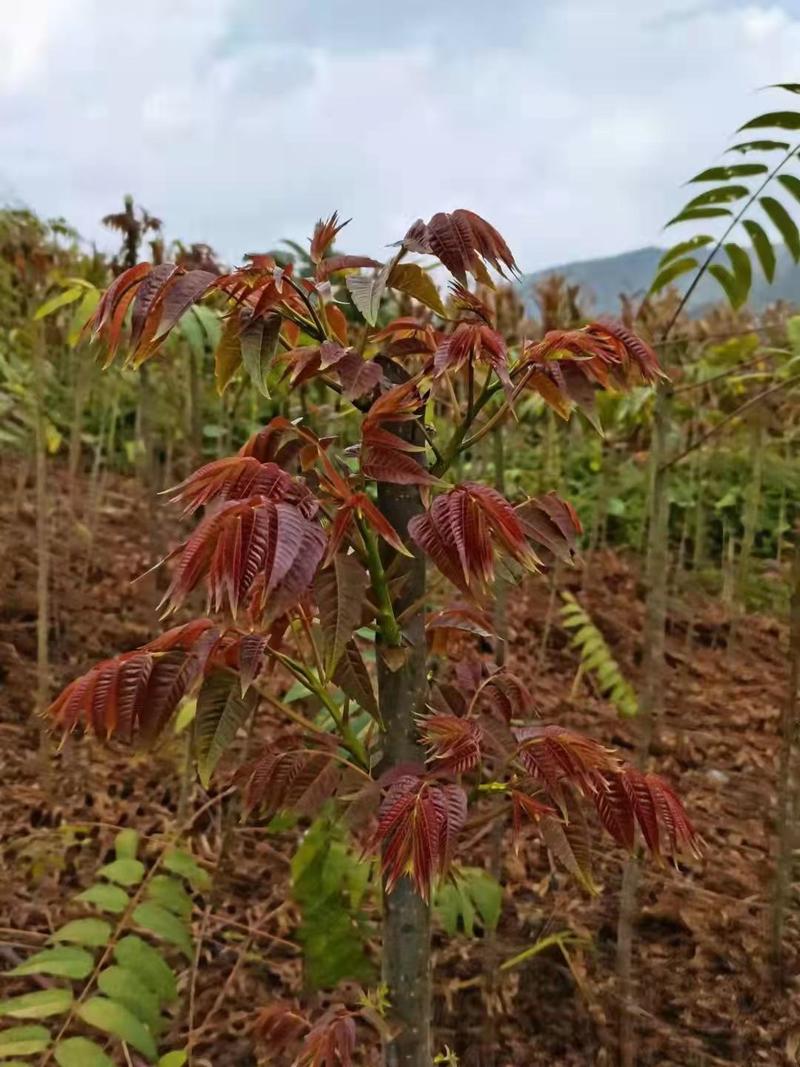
(729,283)
(221,712)
(60,300)
(675,269)
(762,246)
(340,590)
(228,354)
(92,933)
(61,962)
(463,242)
(134,954)
(784,223)
(297,780)
(791,183)
(112,1018)
(411,279)
(683,247)
(259,342)
(367,291)
(352,677)
(38,1005)
(80,1052)
(568,842)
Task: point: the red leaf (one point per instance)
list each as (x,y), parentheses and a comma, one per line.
(454,743)
(463,241)
(298,780)
(418,826)
(238,478)
(460,530)
(324,235)
(239,543)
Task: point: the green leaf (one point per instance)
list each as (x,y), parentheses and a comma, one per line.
(61,962)
(38,1005)
(186,866)
(82,314)
(784,224)
(487,893)
(185,716)
(452,905)
(23,1041)
(173,1059)
(762,247)
(340,591)
(723,194)
(791,183)
(93,933)
(81,1052)
(221,711)
(112,1018)
(414,281)
(671,272)
(728,282)
(126,844)
(690,215)
(366,291)
(123,872)
(60,300)
(125,985)
(157,920)
(760,146)
(683,247)
(783,120)
(259,341)
(742,271)
(170,894)
(724,174)
(136,955)
(108,898)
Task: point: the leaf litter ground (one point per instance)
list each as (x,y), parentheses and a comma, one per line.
(703,991)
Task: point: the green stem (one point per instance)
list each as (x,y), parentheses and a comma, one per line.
(389,626)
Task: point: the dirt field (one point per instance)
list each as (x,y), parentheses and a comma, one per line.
(704,993)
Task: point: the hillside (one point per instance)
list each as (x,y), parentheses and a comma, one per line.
(603,279)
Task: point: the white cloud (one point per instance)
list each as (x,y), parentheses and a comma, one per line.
(570,125)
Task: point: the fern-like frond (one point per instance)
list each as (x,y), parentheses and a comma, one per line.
(596,657)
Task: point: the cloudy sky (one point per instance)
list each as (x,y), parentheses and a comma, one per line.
(569,124)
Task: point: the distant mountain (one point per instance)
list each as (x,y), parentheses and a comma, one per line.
(602,280)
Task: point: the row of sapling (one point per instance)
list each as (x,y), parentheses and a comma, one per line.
(304,547)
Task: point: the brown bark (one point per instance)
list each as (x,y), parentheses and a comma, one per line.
(650,699)
(402,693)
(790,727)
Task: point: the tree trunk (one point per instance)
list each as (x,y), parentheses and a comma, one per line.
(650,698)
(402,694)
(785,823)
(42,552)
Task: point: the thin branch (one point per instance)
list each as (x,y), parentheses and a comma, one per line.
(729,418)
